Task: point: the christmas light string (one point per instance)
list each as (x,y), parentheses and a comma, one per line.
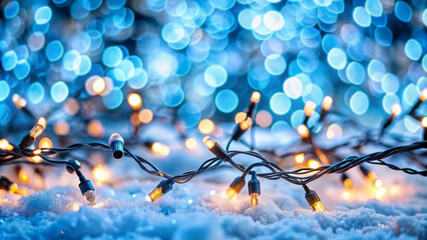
(11,154)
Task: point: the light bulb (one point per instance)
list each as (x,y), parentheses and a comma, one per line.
(162,188)
(309,108)
(116,143)
(327,103)
(19,101)
(313,199)
(135,101)
(235,187)
(256,96)
(5,145)
(303,131)
(215,148)
(38,128)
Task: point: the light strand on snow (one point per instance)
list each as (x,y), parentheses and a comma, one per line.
(10,154)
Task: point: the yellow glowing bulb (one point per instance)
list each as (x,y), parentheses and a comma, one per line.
(14,188)
(313,163)
(135,101)
(5,145)
(23,176)
(156,193)
(256,96)
(327,103)
(424,122)
(19,101)
(206,126)
(209,142)
(347,183)
(230,193)
(303,131)
(45,143)
(318,206)
(240,117)
(371,177)
(38,129)
(423,96)
(380,193)
(190,143)
(309,108)
(378,183)
(299,158)
(99,85)
(254,199)
(37,159)
(346,195)
(244,125)
(396,109)
(99,173)
(37,151)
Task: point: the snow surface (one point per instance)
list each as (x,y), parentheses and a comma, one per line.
(196,211)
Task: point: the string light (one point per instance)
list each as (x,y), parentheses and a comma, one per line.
(327,103)
(162,188)
(35,132)
(243,126)
(255,97)
(135,101)
(313,199)
(346,181)
(215,148)
(303,131)
(235,187)
(313,164)
(309,108)
(116,143)
(299,158)
(5,145)
(254,188)
(19,101)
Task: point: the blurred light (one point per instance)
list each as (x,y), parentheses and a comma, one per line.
(160,148)
(359,103)
(263,119)
(413,49)
(226,101)
(54,50)
(71,106)
(45,143)
(313,164)
(4,90)
(240,116)
(361,17)
(299,158)
(403,11)
(112,56)
(334,131)
(61,128)
(215,76)
(293,87)
(346,195)
(337,58)
(59,91)
(43,15)
(95,128)
(280,103)
(396,109)
(374,7)
(23,176)
(99,173)
(303,131)
(190,143)
(273,20)
(11,9)
(9,60)
(135,101)
(145,116)
(380,193)
(275,64)
(206,126)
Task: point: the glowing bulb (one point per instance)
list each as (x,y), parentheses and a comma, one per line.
(230,193)
(99,173)
(19,101)
(254,199)
(256,96)
(396,109)
(38,128)
(23,177)
(99,85)
(162,188)
(5,145)
(347,183)
(223,195)
(206,126)
(240,117)
(303,131)
(313,164)
(299,158)
(135,101)
(318,206)
(209,142)
(346,195)
(424,122)
(37,159)
(309,108)
(244,125)
(380,193)
(327,103)
(14,188)
(45,143)
(190,143)
(378,183)
(423,96)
